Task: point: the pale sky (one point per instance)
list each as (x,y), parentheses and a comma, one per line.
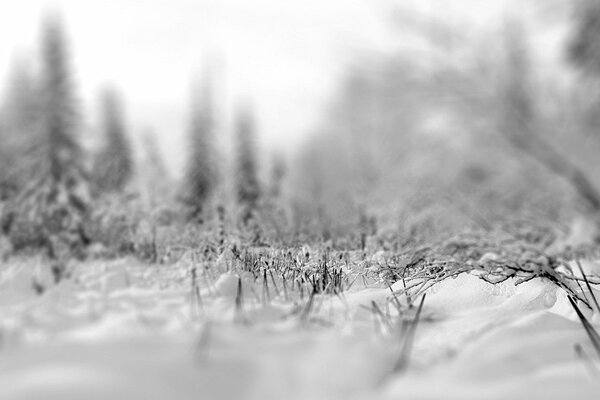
(285,55)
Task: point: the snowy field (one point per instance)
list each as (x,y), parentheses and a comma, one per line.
(125,330)
(340,200)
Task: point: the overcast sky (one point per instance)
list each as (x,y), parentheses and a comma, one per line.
(286,55)
(281,54)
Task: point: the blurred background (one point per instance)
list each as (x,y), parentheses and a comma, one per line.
(284,57)
(343,121)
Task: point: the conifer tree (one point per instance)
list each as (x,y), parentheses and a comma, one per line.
(19,132)
(246,179)
(59,106)
(518,104)
(51,211)
(154,174)
(278,171)
(113,165)
(65,202)
(200,176)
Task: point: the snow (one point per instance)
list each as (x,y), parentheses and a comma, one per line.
(124,330)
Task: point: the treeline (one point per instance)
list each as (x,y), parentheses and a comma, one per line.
(494,127)
(470,134)
(67,197)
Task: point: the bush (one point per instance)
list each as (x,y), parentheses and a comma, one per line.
(114,225)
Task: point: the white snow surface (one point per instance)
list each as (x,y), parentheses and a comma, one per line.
(124,330)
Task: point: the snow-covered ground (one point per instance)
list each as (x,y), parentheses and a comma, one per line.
(124,330)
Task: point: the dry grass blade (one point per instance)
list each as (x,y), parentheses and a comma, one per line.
(196,297)
(266,293)
(396,301)
(405,353)
(274,284)
(589,287)
(380,316)
(587,361)
(591,331)
(309,305)
(202,344)
(407,294)
(285,290)
(239,302)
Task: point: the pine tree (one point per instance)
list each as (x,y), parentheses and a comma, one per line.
(278,171)
(64,203)
(113,165)
(200,176)
(518,103)
(20,131)
(60,106)
(247,185)
(51,211)
(154,175)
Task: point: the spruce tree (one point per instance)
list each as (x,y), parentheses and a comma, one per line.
(20,131)
(200,178)
(278,172)
(154,174)
(60,106)
(519,114)
(65,202)
(247,186)
(113,165)
(51,211)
